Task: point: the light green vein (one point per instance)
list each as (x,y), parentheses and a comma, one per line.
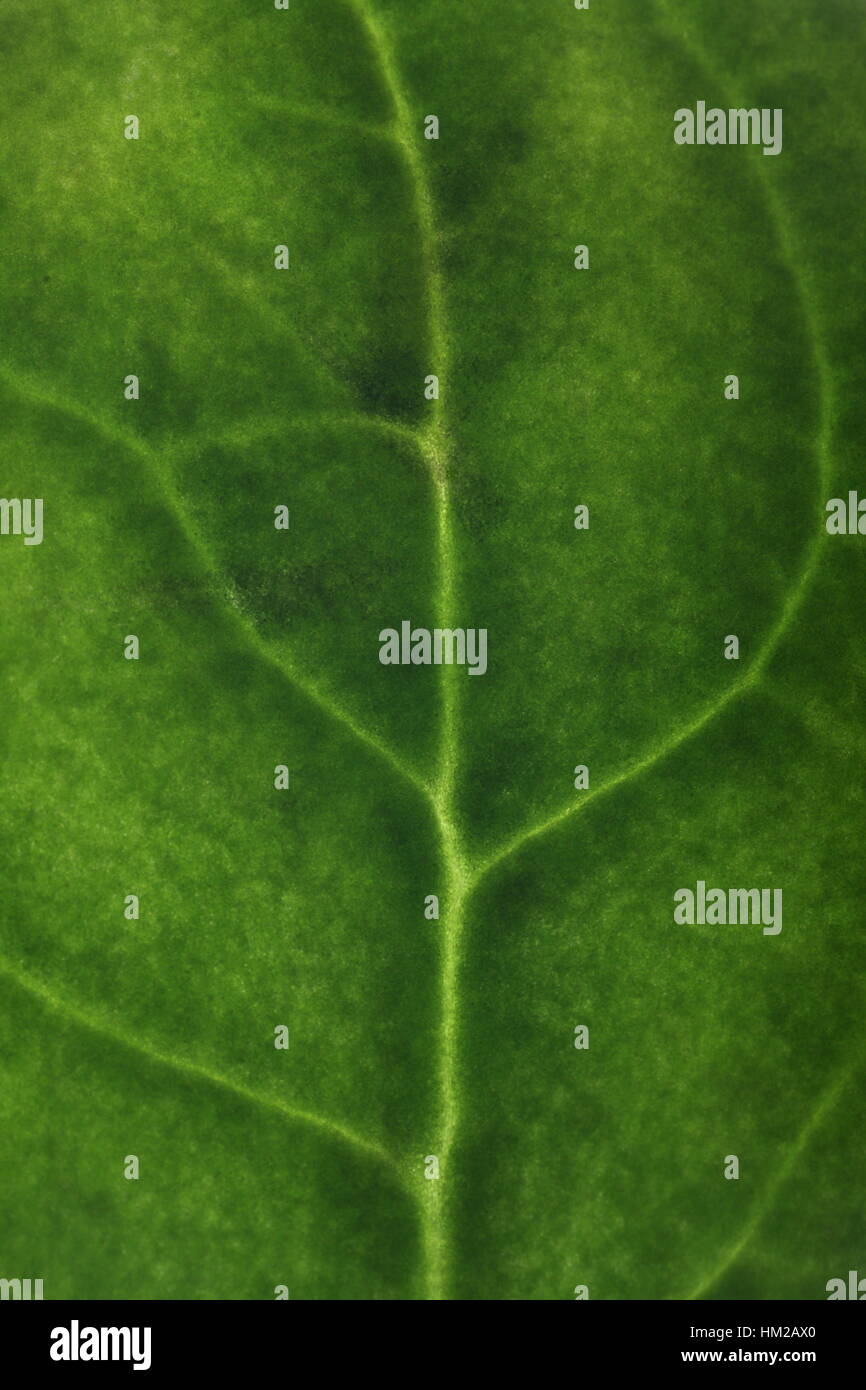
(796,595)
(320,115)
(331,1128)
(437,451)
(822,1109)
(37,395)
(246,287)
(654,755)
(263,427)
(407,135)
(795,265)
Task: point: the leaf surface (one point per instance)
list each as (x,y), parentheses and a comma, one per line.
(305,388)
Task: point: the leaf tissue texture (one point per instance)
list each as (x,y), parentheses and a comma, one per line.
(433,1128)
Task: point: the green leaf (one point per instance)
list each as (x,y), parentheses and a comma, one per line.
(409,1037)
